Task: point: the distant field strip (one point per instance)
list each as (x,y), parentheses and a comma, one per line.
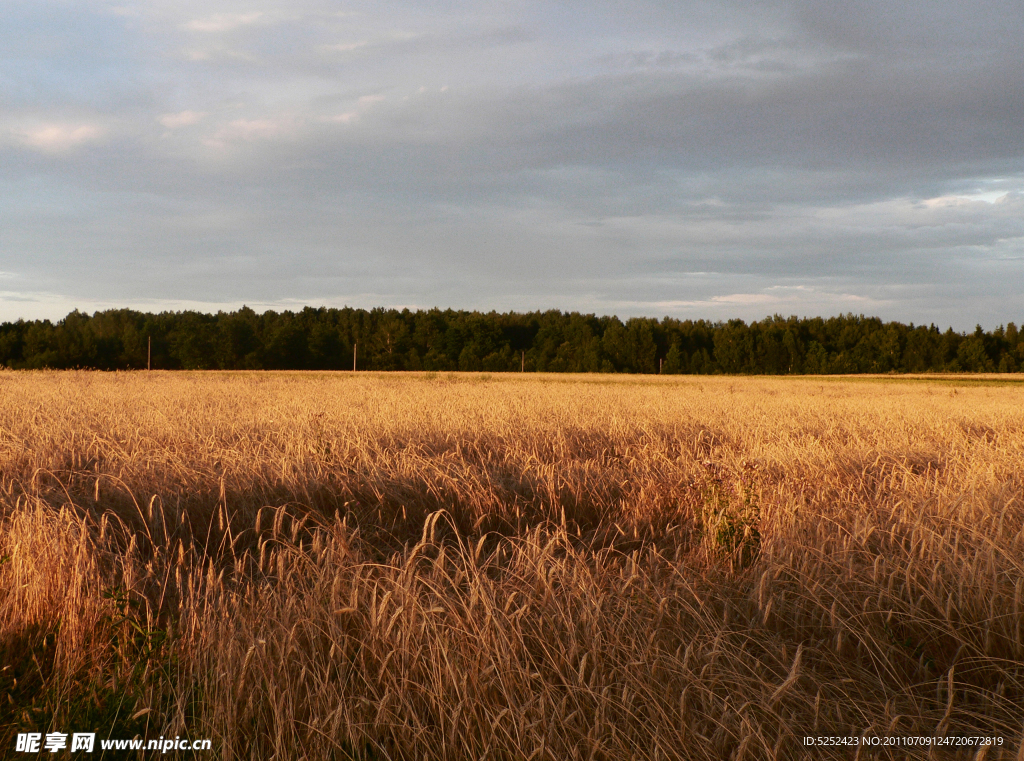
(465,566)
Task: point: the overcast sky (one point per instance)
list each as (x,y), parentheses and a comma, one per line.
(692,159)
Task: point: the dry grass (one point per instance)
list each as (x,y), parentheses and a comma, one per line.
(446,567)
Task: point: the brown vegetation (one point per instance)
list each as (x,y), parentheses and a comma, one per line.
(463,566)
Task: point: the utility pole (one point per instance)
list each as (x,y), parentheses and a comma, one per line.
(355,349)
(149,355)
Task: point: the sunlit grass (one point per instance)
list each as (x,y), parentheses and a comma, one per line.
(470,566)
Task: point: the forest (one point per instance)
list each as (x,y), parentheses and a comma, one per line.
(450,340)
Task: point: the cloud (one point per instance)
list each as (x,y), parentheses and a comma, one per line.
(804,300)
(363,104)
(655,156)
(58,138)
(345,47)
(224,22)
(250,130)
(181,119)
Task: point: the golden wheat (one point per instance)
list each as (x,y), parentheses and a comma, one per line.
(305,565)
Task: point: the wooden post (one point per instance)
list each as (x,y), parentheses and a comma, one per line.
(523,368)
(660,362)
(355,350)
(149,355)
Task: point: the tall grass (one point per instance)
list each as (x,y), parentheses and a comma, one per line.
(453,567)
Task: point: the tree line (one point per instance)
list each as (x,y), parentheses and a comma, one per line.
(552,341)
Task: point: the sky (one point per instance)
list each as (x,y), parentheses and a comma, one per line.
(690,159)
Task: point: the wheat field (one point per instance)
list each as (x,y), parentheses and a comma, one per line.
(448,566)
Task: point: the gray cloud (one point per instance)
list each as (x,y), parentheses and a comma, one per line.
(655,158)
